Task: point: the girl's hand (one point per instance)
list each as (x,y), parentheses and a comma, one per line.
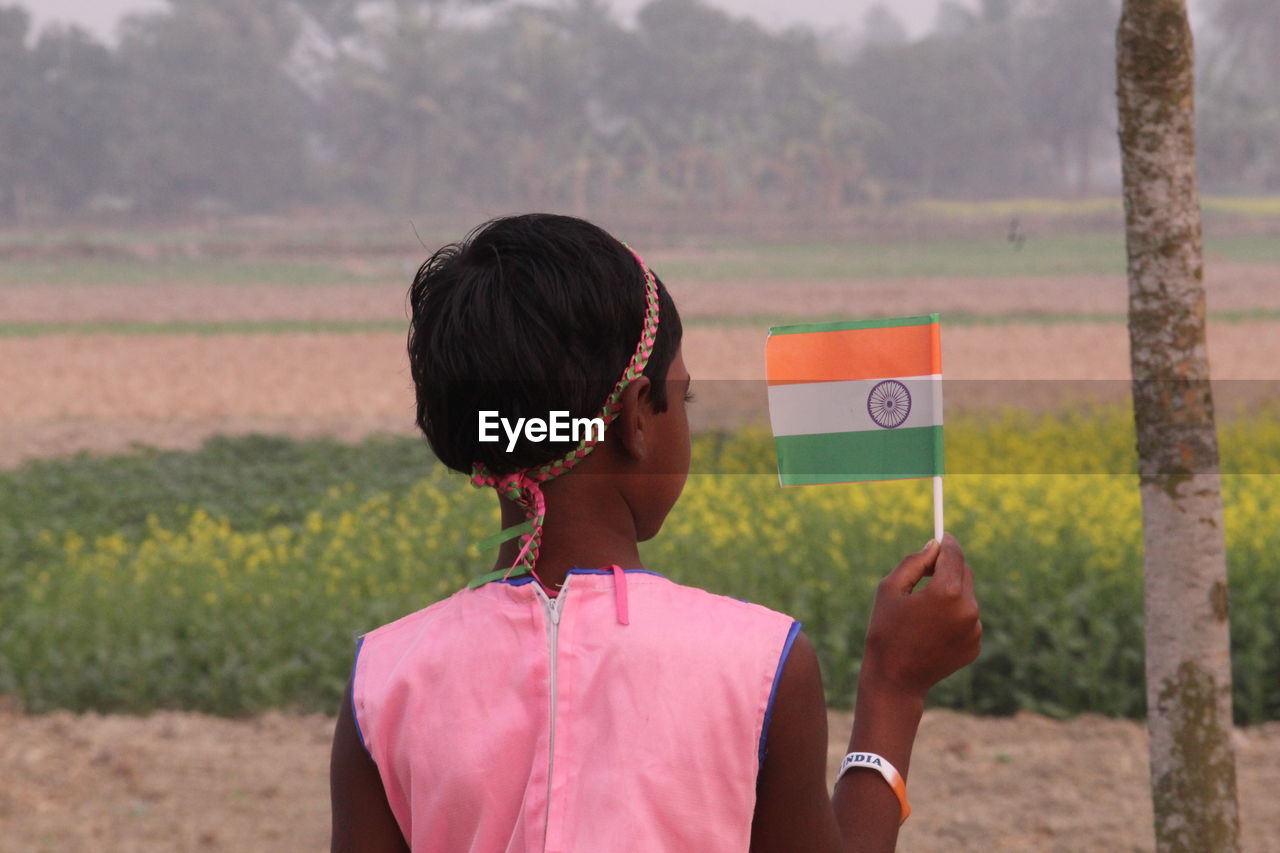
(917,637)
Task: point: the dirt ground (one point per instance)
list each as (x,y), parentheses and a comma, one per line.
(102,392)
(177,782)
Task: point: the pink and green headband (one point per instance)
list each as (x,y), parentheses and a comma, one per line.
(524,487)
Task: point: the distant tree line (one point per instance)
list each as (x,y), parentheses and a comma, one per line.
(258,105)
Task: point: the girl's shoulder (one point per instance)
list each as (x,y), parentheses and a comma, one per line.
(413,624)
(698,596)
(669,612)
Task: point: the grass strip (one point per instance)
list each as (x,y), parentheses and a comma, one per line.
(283,327)
(198,327)
(209,272)
(1036,253)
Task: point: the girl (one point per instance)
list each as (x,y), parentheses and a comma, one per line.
(572,700)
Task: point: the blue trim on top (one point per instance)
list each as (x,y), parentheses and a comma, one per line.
(354,716)
(517,581)
(524,579)
(578,571)
(773,691)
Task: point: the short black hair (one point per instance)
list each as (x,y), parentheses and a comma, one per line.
(527,315)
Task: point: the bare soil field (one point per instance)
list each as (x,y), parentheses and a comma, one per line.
(177,782)
(62,393)
(1232,287)
(100,392)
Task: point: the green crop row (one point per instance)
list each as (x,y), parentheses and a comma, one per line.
(1041,253)
(236,578)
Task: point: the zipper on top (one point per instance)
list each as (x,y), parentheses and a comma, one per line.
(552,609)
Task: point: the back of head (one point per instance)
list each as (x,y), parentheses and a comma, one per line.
(526,316)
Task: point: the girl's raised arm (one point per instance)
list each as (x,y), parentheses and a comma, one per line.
(916,638)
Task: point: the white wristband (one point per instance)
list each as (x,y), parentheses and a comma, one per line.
(881,765)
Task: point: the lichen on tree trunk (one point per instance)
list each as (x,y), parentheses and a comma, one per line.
(1188,653)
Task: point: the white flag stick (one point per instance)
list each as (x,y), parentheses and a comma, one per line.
(937,508)
(937,480)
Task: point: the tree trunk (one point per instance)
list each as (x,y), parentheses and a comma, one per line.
(1188,663)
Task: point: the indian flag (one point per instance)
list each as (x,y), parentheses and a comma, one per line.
(856,401)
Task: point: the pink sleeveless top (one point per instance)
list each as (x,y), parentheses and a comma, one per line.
(629,713)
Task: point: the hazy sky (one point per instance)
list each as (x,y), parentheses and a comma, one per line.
(101,15)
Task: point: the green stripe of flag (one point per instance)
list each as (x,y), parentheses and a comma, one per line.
(848,457)
(850,325)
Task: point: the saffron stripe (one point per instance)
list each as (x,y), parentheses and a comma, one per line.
(851,354)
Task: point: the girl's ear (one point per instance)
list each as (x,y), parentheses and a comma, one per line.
(633,418)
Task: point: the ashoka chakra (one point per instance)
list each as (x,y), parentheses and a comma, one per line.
(889,403)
